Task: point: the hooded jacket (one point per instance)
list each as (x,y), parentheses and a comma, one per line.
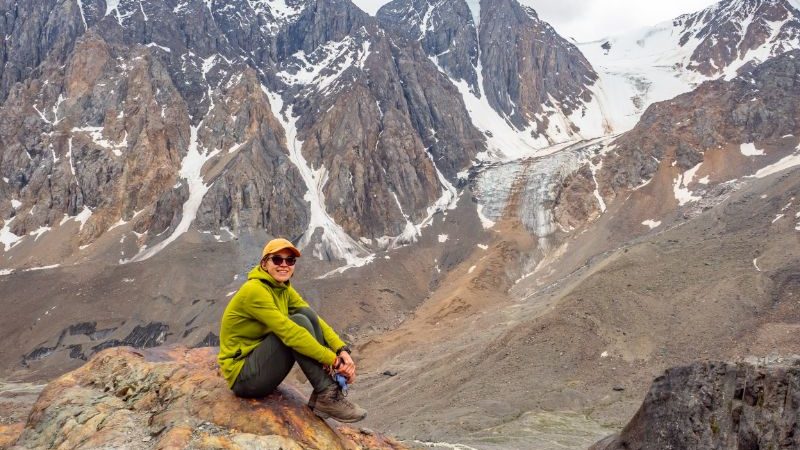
(260,307)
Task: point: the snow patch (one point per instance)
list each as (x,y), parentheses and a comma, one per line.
(442,238)
(96,133)
(651,223)
(83,216)
(83,16)
(471,269)
(33,269)
(749,149)
(153,44)
(38,232)
(335,239)
(7,238)
(15,203)
(681,186)
(486,222)
(483,247)
(785,163)
(191,171)
(6,271)
(755,264)
(777,218)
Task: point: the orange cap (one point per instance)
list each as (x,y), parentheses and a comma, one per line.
(276,245)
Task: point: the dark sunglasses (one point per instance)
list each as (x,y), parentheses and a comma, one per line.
(278,260)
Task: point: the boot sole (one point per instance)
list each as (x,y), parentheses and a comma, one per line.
(323,415)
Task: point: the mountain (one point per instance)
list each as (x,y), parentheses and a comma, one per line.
(151,119)
(659,62)
(481,209)
(525,86)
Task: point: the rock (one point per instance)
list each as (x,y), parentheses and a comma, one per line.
(173,398)
(618,388)
(747,405)
(389,373)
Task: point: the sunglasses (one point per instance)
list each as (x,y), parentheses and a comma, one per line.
(278,260)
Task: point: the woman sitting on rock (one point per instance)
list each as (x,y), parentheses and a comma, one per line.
(267,326)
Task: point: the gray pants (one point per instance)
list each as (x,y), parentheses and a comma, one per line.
(270,362)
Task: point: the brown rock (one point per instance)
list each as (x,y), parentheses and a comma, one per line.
(173,398)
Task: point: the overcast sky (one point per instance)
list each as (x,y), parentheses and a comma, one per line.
(587,20)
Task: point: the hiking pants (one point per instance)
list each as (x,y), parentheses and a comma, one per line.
(269,363)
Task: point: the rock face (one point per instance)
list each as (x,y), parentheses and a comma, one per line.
(539,71)
(528,74)
(310,122)
(718,406)
(174,398)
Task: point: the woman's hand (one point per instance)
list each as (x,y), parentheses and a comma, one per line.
(347,367)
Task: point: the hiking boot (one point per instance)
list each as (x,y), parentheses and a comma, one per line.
(331,403)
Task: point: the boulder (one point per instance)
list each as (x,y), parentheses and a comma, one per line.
(174,397)
(716,405)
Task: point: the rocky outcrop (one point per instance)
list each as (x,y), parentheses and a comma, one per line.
(174,398)
(715,405)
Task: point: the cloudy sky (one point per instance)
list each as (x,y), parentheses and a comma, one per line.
(587,20)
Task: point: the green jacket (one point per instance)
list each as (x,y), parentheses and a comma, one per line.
(263,306)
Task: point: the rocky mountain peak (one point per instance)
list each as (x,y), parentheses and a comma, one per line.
(733,29)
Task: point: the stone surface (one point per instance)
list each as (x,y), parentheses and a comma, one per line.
(716,405)
(173,398)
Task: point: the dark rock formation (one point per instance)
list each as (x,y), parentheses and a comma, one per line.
(527,66)
(716,405)
(172,398)
(528,70)
(445,29)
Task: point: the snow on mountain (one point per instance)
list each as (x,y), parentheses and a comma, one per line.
(657,63)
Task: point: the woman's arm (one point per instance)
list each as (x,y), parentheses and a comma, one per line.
(331,338)
(261,306)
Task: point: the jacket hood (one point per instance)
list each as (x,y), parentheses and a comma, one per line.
(260,274)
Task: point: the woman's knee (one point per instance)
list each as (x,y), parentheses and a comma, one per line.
(303,320)
(308,313)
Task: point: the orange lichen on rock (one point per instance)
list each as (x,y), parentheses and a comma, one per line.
(174,398)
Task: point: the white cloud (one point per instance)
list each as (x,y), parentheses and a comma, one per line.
(586,20)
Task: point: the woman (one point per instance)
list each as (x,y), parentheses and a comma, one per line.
(267,326)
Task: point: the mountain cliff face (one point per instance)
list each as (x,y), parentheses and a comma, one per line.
(157,118)
(509,64)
